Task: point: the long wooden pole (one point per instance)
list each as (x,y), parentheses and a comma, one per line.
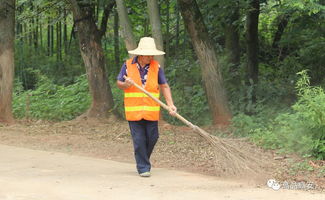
(202,132)
(232,157)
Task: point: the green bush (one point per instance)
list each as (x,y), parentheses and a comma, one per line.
(302,130)
(191,104)
(52,102)
(118,97)
(29,62)
(305,127)
(185,79)
(244,125)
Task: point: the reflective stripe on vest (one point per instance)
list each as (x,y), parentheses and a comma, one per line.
(142,108)
(140,94)
(137,104)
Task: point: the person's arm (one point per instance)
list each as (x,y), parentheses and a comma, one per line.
(165,89)
(123,83)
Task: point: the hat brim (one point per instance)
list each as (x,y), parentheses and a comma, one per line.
(143,52)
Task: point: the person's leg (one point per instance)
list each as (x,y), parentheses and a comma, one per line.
(138,132)
(152,136)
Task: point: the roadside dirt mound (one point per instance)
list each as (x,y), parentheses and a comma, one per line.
(177,148)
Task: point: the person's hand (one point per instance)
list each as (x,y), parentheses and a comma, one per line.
(172,110)
(128,82)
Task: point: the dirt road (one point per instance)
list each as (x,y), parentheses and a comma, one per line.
(38,175)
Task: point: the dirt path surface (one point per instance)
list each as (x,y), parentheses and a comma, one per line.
(184,166)
(39,175)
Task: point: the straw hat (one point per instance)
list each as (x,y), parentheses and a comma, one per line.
(146,47)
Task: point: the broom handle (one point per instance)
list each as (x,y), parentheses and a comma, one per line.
(188,123)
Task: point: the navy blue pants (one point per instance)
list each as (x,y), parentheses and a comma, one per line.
(145,135)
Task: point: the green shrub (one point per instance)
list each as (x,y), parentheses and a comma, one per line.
(192,104)
(118,97)
(309,117)
(184,78)
(302,130)
(244,125)
(29,62)
(52,102)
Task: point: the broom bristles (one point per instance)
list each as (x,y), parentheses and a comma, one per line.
(229,157)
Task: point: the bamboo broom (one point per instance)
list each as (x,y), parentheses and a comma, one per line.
(229,157)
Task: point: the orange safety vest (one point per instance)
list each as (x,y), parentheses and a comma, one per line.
(137,104)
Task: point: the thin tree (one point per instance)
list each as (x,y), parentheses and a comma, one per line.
(65,32)
(232,34)
(154,17)
(177,37)
(252,45)
(283,21)
(167,29)
(7,35)
(206,54)
(49,53)
(52,39)
(125,25)
(116,40)
(40,34)
(58,41)
(89,37)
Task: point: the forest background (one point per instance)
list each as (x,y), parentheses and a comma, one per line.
(257,63)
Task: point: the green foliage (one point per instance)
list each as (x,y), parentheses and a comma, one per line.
(301,40)
(244,124)
(184,78)
(192,104)
(300,166)
(52,102)
(118,98)
(321,172)
(310,6)
(29,62)
(302,130)
(310,111)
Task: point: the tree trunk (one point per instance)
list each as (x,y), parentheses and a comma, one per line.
(35,31)
(40,34)
(232,46)
(154,18)
(25,38)
(252,46)
(185,41)
(52,39)
(177,30)
(58,41)
(206,54)
(283,22)
(167,30)
(93,56)
(49,39)
(65,32)
(30,33)
(7,35)
(232,36)
(125,24)
(116,42)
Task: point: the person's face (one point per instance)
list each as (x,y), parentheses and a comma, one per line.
(146,59)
